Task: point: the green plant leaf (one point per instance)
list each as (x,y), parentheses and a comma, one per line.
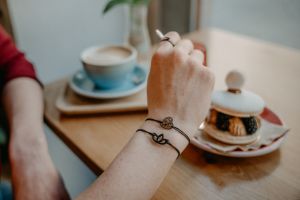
(140,1)
(113,3)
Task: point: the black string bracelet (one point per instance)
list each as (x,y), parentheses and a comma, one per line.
(167,123)
(159,139)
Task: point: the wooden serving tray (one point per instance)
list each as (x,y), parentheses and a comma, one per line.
(70,103)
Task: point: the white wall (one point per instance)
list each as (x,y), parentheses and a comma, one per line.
(76,175)
(54,32)
(277,21)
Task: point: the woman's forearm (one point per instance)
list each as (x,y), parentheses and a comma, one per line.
(179,87)
(139,169)
(34,175)
(23,103)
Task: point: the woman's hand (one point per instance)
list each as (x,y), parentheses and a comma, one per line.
(179,85)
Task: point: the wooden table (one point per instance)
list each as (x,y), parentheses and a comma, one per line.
(271,70)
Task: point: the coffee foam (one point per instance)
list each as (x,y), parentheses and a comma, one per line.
(106,55)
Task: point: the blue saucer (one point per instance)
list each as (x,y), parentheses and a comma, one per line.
(82,85)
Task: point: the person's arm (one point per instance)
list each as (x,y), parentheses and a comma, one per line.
(178,86)
(33,173)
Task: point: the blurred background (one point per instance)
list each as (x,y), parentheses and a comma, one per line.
(53,33)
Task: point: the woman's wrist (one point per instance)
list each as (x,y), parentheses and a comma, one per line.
(188,126)
(174,137)
(28,142)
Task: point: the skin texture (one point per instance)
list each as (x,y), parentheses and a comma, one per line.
(178,86)
(33,173)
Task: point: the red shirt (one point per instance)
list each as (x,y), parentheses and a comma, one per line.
(13,63)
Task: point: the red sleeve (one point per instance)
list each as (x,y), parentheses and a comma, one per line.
(13,63)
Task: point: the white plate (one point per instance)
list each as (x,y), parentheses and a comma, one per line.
(82,85)
(268,115)
(241,154)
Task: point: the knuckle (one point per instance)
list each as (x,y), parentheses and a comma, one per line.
(179,55)
(197,51)
(178,51)
(159,54)
(200,53)
(173,34)
(207,75)
(187,41)
(194,62)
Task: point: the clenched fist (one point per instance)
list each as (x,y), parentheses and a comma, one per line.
(179,85)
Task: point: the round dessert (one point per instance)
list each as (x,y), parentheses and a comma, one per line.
(233,117)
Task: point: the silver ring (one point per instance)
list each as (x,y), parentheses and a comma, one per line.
(167,39)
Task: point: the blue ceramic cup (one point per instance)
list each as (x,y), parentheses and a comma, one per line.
(109,66)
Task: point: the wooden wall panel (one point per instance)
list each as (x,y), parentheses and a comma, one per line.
(169,15)
(5,20)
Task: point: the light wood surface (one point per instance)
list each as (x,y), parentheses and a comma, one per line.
(271,70)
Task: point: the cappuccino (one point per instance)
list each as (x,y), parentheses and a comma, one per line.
(109,66)
(106,56)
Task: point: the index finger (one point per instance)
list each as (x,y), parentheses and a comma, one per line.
(165,46)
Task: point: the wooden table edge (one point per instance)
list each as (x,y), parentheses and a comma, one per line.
(69,144)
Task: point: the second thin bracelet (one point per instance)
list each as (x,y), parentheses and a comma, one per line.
(159,139)
(167,123)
